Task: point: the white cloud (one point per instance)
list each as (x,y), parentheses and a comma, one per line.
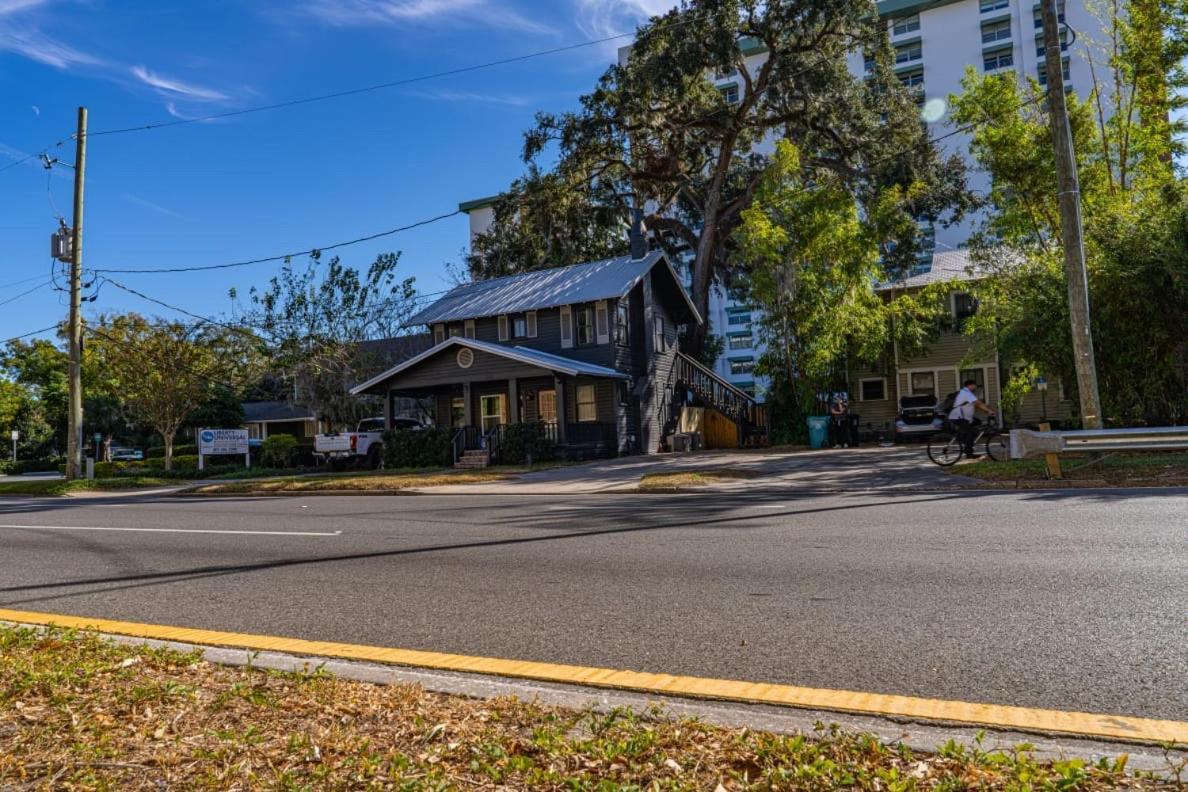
(354,13)
(13,6)
(33,44)
(172,87)
(604,18)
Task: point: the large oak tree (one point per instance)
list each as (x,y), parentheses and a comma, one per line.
(656,133)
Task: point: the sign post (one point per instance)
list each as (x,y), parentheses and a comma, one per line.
(223,442)
(1041,383)
(15,436)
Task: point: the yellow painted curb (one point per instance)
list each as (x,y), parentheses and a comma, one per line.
(1083,724)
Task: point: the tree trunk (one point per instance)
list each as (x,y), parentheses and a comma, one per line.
(168,437)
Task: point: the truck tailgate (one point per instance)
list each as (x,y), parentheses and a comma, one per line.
(333,443)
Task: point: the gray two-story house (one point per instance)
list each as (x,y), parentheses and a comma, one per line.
(589,351)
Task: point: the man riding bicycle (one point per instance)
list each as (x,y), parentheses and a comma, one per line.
(962,414)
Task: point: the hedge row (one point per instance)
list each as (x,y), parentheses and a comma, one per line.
(414,448)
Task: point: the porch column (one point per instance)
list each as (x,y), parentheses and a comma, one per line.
(467,413)
(513,401)
(389,412)
(559,389)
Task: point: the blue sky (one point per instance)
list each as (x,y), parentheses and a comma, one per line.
(288,179)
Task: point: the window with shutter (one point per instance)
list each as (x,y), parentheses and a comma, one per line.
(601,322)
(503,327)
(530,318)
(468,328)
(566,327)
(438,333)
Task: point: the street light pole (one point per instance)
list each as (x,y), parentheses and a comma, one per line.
(1069,196)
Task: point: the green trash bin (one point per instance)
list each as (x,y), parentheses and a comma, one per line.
(818,426)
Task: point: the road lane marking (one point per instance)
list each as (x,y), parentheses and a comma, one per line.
(1083,724)
(172,530)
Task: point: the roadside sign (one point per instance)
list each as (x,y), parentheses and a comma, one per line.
(221,442)
(16,435)
(1041,383)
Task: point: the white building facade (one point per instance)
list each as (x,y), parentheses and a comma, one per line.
(935,41)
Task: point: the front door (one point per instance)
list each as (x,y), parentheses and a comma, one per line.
(492,411)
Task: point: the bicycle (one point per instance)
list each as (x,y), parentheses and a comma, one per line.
(946,449)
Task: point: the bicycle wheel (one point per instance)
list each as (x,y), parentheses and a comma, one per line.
(998,446)
(944,449)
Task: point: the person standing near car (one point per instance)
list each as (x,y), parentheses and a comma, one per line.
(965,405)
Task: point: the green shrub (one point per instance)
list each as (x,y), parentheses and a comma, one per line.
(106,469)
(524,443)
(10,468)
(179,449)
(413,448)
(279,451)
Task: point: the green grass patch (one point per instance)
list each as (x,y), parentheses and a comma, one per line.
(62,487)
(80,712)
(1121,469)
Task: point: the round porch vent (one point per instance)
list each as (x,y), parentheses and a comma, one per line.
(465,358)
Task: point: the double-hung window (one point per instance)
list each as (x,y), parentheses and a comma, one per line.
(742,365)
(729,93)
(964,306)
(996,31)
(998,59)
(987,6)
(909,53)
(587,407)
(584,320)
(740,341)
(622,323)
(907,24)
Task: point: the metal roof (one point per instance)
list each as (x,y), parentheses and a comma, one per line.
(946,265)
(533,357)
(547,288)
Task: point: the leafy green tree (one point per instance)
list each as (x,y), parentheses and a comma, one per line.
(1134,207)
(316,318)
(164,371)
(814,262)
(656,133)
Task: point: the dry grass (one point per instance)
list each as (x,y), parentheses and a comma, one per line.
(380,481)
(80,713)
(690,479)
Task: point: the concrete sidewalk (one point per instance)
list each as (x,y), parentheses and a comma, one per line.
(898,468)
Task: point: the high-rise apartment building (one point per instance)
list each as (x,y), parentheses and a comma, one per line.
(935,42)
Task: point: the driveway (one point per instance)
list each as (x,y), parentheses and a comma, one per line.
(838,470)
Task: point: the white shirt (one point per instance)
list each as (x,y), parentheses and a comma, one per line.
(963,405)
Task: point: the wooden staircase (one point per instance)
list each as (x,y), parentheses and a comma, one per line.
(474,459)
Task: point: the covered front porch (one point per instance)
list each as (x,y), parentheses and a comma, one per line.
(481,390)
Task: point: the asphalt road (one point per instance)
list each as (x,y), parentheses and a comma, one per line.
(1064,600)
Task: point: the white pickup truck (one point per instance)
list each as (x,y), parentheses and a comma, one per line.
(365,444)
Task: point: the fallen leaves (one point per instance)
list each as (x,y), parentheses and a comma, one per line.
(77,712)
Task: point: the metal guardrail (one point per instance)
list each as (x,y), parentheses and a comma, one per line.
(1026,443)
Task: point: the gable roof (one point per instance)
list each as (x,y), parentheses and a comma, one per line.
(533,357)
(548,288)
(280,410)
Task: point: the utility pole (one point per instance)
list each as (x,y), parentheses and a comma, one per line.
(1070,223)
(75,415)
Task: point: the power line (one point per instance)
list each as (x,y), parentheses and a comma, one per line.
(30,333)
(370,88)
(24,280)
(41,285)
(283,256)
